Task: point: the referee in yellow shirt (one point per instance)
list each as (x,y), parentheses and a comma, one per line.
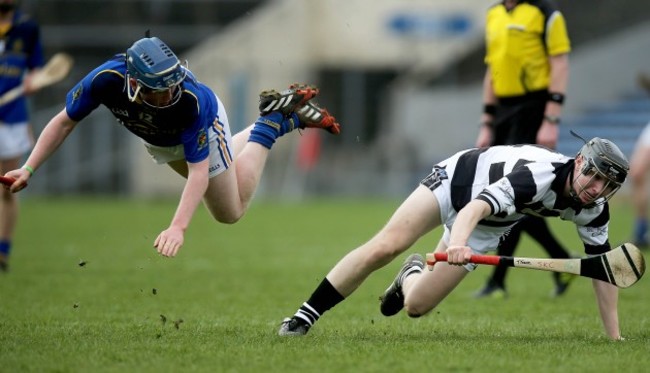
(523,91)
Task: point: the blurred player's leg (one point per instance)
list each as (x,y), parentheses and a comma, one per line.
(539,230)
(495,286)
(8,215)
(639,169)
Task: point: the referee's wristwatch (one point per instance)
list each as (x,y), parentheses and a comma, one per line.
(552,119)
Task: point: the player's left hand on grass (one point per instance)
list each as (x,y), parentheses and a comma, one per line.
(169,241)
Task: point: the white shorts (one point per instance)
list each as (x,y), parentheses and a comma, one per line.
(219,139)
(15,140)
(483,239)
(644,139)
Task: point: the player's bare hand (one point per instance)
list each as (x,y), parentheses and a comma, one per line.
(548,134)
(458,255)
(28,86)
(485,132)
(169,241)
(21,176)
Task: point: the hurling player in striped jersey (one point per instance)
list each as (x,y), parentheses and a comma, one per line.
(477,195)
(182,123)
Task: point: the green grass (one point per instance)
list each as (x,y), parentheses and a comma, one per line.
(232,285)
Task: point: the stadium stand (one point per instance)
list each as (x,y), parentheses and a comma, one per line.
(621,121)
(444,93)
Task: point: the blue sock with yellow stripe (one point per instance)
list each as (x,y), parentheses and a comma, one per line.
(271,126)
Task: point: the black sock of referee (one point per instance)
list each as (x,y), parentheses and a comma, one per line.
(321,300)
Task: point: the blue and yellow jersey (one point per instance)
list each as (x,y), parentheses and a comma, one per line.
(20,51)
(519,43)
(187,122)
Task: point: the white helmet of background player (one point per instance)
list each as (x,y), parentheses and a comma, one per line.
(602,159)
(154,73)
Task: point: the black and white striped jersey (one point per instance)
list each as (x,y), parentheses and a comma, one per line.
(523,179)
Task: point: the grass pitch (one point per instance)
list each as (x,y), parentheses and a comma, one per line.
(87,292)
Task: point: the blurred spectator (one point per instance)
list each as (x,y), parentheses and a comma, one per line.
(21,54)
(523,91)
(639,169)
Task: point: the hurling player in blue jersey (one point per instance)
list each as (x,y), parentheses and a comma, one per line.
(21,55)
(184,124)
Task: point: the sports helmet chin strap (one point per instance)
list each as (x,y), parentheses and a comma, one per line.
(134,95)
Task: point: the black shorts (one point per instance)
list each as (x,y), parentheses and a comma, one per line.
(518,119)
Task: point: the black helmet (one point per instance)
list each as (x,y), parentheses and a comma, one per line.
(603,158)
(606,158)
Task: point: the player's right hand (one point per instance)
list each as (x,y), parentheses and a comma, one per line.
(484,136)
(458,255)
(21,175)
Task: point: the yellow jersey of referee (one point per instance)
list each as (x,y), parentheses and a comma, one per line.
(518,44)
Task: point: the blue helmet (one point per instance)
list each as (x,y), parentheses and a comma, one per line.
(155,66)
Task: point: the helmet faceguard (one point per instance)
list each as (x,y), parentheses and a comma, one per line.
(601,159)
(155,68)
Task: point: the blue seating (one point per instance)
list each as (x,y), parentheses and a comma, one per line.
(620,121)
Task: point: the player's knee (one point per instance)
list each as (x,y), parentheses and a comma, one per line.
(413,315)
(412,312)
(414,308)
(228,219)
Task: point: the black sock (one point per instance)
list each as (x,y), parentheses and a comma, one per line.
(321,300)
